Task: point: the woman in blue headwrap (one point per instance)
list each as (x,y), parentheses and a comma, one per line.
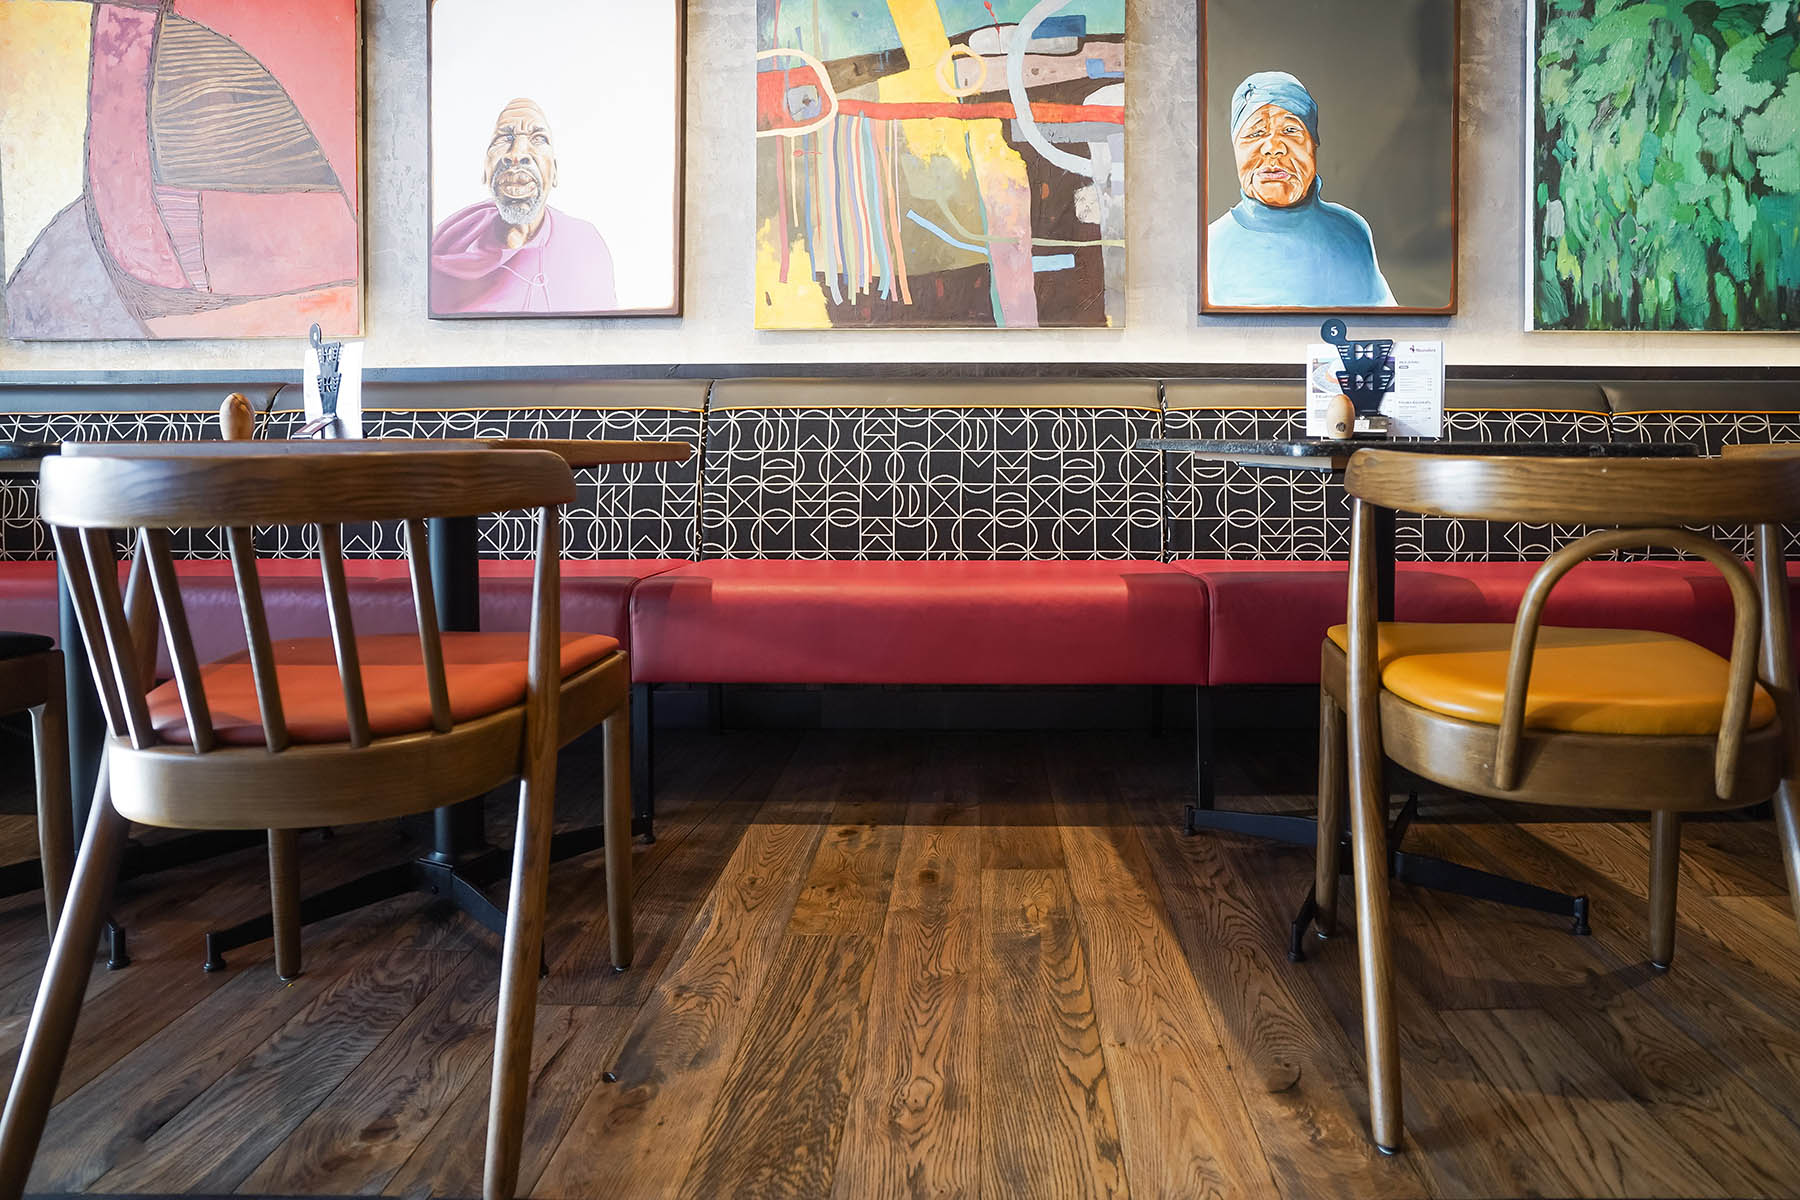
(1282,245)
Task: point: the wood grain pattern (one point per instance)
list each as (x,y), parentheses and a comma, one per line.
(572,1047)
(212,1147)
(167,1071)
(1606,1148)
(1048,1121)
(775,1127)
(681,1047)
(960,1046)
(913,1127)
(1182,1118)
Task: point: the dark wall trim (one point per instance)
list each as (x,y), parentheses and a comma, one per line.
(856,370)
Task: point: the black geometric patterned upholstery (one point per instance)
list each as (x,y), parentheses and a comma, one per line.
(637,510)
(943,469)
(1747,414)
(1229,510)
(931,470)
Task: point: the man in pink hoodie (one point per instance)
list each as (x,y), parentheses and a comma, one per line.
(513,253)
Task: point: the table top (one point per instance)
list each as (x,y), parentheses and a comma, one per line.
(576,452)
(1333,454)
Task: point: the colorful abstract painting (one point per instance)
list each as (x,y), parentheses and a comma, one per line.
(1329,156)
(940,164)
(556,176)
(180,169)
(1664,167)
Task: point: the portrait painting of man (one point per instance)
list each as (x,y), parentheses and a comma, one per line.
(555,187)
(1330,156)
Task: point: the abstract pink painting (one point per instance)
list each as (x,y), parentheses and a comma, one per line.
(180,168)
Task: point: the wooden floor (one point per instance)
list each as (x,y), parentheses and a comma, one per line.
(883,964)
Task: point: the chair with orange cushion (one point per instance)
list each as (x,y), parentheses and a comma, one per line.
(1605,718)
(321,731)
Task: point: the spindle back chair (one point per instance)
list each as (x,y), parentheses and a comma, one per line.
(328,731)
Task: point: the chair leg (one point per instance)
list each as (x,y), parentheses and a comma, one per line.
(519,963)
(55,814)
(52,1026)
(1369,850)
(1333,769)
(1665,867)
(1787,828)
(618,837)
(284,899)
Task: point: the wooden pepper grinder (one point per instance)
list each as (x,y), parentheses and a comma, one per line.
(1340,416)
(237,422)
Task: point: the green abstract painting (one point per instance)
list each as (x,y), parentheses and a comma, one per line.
(1664,165)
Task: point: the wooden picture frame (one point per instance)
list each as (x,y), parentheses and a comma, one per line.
(179,177)
(607,268)
(1239,38)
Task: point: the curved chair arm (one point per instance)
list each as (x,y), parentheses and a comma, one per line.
(1745,636)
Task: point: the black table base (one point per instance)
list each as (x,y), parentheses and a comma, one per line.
(462,865)
(1419,869)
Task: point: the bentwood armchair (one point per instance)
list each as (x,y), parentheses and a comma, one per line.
(321,731)
(1606,718)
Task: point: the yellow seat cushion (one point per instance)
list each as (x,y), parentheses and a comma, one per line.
(1582,680)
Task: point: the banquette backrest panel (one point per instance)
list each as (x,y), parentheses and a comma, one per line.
(1711,416)
(1227,510)
(931,469)
(630,511)
(901,468)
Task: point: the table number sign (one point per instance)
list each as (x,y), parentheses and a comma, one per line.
(1414,405)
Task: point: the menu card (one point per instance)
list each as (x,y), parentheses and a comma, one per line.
(1414,409)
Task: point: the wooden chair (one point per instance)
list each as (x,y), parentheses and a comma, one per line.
(321,731)
(31,680)
(1577,717)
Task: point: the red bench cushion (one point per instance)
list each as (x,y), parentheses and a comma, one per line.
(1268,618)
(595,593)
(1045,622)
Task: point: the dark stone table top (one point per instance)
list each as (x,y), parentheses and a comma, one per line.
(1331,454)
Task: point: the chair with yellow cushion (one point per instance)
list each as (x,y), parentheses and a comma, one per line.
(1606,718)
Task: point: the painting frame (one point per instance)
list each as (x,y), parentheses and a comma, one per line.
(1536,217)
(900,186)
(359,191)
(1206,307)
(677,199)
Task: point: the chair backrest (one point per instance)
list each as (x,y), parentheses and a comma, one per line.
(1645,501)
(88,493)
(1644,492)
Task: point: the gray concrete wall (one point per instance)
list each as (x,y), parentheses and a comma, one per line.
(1161,324)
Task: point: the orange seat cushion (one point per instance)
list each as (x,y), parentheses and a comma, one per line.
(484,673)
(1582,680)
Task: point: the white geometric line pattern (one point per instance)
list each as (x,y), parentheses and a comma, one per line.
(931,483)
(635,510)
(1230,510)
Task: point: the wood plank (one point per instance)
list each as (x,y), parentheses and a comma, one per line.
(1599,1136)
(679,870)
(1049,1125)
(1182,1119)
(1018,818)
(91,1130)
(361,1134)
(1460,1142)
(572,1045)
(239,1121)
(1294,1066)
(848,886)
(913,1127)
(774,1129)
(681,1046)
